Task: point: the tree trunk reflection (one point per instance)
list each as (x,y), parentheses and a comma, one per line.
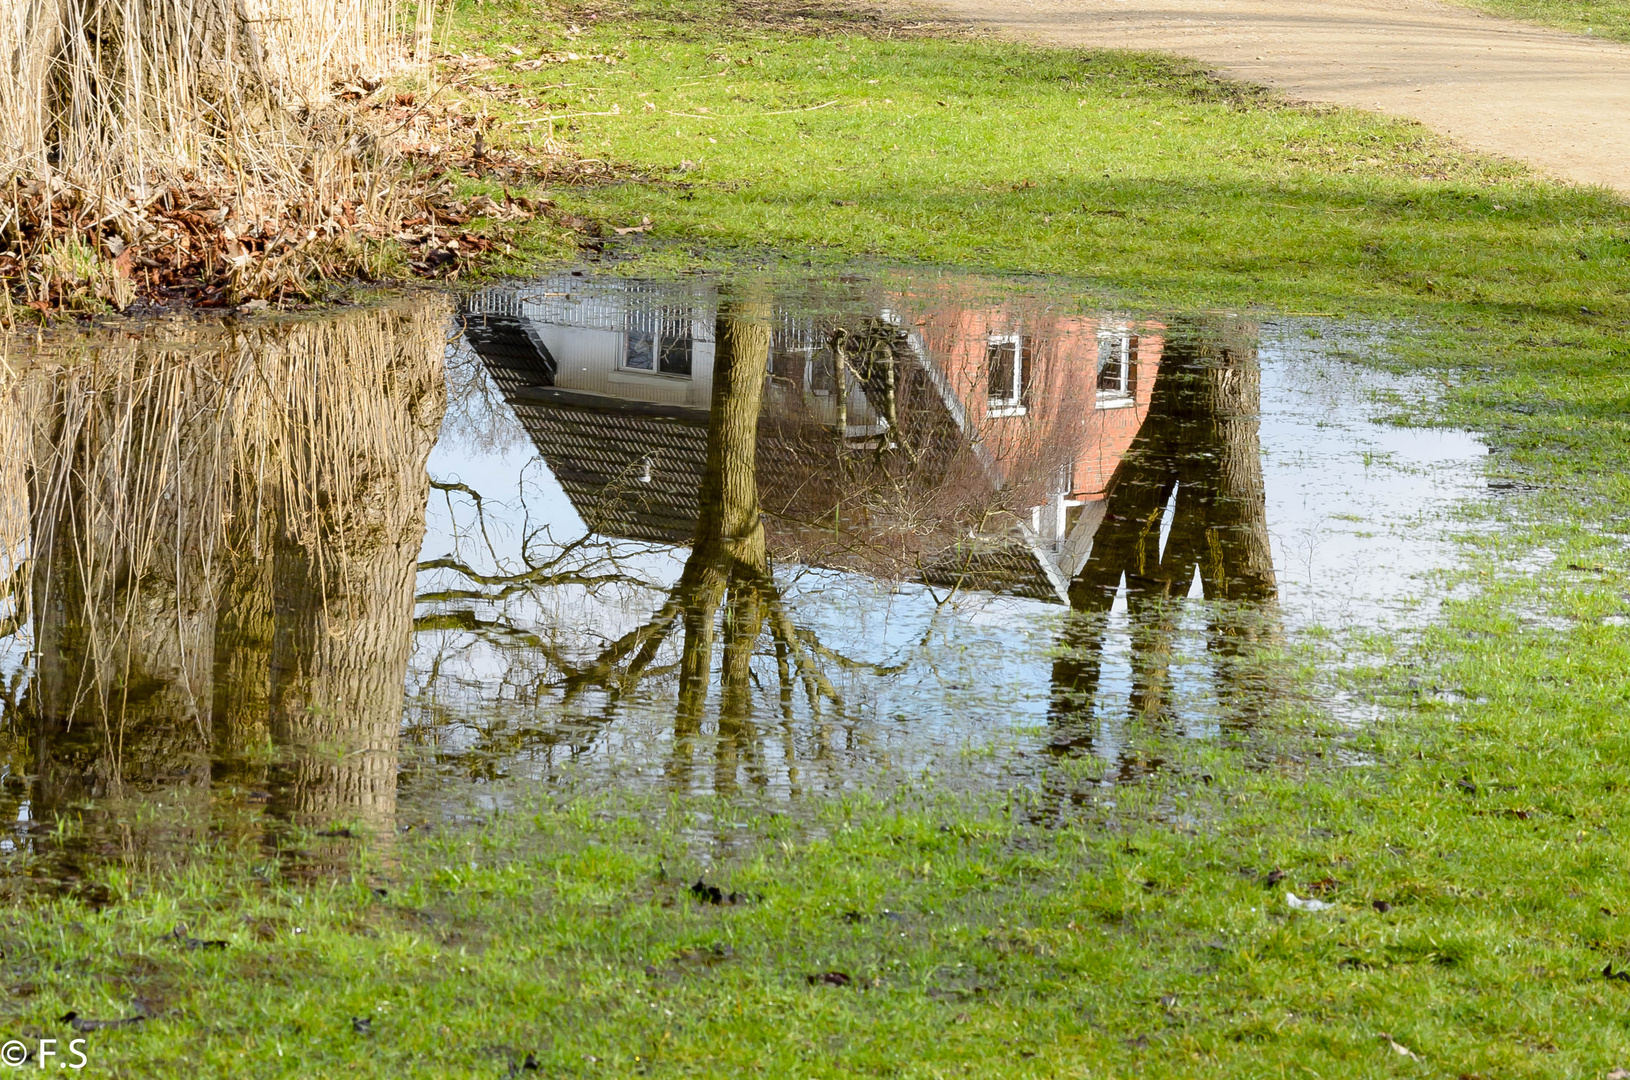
(345,554)
(1194,469)
(726,583)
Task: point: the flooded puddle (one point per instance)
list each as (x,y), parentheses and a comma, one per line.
(791,539)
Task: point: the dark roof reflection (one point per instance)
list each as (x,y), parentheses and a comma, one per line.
(904,435)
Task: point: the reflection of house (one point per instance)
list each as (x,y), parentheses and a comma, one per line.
(603,426)
(613,382)
(1054,402)
(999,455)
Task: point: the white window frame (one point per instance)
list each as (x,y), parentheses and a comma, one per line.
(1010,400)
(655,371)
(1115,348)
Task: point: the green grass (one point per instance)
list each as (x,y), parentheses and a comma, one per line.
(1137,930)
(1136,173)
(1132,932)
(1603,18)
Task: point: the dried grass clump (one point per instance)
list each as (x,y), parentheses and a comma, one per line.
(107,91)
(116,112)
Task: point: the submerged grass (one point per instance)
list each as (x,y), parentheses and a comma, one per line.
(1473,856)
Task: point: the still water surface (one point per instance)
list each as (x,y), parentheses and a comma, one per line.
(771,537)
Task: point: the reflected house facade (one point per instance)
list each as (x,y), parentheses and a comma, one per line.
(614,392)
(1054,402)
(911,434)
(906,435)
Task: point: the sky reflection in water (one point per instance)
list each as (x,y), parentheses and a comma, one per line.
(1345,513)
(672,541)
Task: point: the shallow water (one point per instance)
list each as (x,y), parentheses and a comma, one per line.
(786,539)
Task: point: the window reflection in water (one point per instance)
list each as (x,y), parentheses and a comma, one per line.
(826,554)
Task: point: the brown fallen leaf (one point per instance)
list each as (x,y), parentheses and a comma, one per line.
(830,978)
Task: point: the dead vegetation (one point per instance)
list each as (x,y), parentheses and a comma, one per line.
(202,138)
(219,154)
(224,153)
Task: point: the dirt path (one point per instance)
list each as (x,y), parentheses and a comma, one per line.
(1559,101)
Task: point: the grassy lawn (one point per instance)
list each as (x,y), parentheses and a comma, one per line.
(1474,860)
(1135,172)
(1603,18)
(1475,879)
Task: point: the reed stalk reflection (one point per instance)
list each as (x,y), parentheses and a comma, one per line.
(218,570)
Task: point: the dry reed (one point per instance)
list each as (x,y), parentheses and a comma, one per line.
(13,501)
(109,108)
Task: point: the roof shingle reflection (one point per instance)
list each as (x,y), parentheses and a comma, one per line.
(629,472)
(894,471)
